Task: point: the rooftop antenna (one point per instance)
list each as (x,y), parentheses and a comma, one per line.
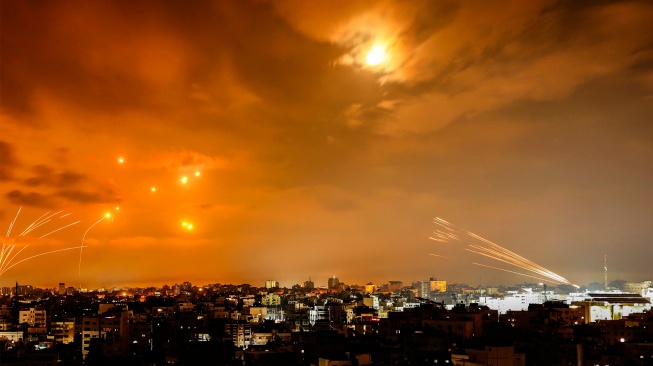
(605,268)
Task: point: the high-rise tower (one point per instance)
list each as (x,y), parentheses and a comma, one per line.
(605,268)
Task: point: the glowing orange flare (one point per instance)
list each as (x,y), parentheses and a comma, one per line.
(153,189)
(197,174)
(121,160)
(107,215)
(376,55)
(184,180)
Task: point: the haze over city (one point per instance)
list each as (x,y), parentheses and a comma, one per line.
(240,141)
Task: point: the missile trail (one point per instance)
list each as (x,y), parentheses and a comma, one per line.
(481,246)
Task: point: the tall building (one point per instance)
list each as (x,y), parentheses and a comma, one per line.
(333,282)
(271,284)
(62,288)
(112,327)
(437,286)
(309,284)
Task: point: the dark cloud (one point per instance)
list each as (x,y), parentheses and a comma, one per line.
(32,199)
(86,197)
(43,175)
(46,176)
(8,160)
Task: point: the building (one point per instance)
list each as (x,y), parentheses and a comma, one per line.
(32,317)
(612,305)
(637,287)
(240,333)
(423,289)
(370,288)
(271,300)
(112,328)
(494,356)
(333,282)
(513,300)
(395,286)
(371,302)
(309,284)
(271,284)
(437,286)
(63,332)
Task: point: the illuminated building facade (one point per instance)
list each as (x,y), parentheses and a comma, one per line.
(437,286)
(32,317)
(612,306)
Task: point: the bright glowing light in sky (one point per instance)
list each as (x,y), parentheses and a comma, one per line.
(197,174)
(376,55)
(153,189)
(107,215)
(117,208)
(184,180)
(189,226)
(184,223)
(121,160)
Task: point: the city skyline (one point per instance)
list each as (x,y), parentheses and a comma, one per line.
(254,140)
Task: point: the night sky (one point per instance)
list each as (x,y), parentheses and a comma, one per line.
(327,137)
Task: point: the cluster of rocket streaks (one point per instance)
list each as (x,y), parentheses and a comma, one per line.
(481,246)
(8,261)
(11,249)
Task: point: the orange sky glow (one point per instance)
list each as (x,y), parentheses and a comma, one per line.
(241,141)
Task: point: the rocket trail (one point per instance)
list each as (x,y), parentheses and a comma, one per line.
(63,227)
(8,253)
(44,221)
(32,224)
(82,246)
(12,223)
(34,256)
(517,265)
(505,270)
(484,247)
